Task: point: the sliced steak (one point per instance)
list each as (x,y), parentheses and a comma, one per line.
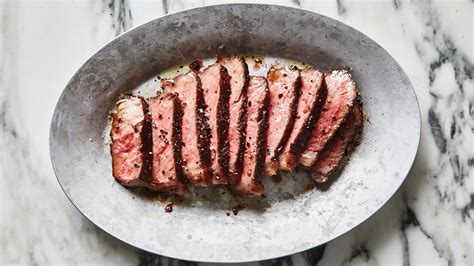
(166,126)
(330,158)
(131,142)
(310,102)
(341,93)
(256,124)
(195,142)
(239,78)
(215,85)
(284,86)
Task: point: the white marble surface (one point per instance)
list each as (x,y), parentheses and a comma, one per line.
(430,221)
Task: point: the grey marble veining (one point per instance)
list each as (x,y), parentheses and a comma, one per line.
(428,221)
(120,12)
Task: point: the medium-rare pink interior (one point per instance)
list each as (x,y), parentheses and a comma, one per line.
(334,152)
(215,86)
(131,161)
(284,86)
(195,144)
(239,76)
(256,124)
(165,126)
(341,94)
(219,126)
(311,100)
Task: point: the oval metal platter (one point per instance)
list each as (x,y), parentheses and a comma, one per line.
(293,221)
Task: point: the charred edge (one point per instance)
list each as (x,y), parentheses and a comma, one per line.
(236,169)
(204,132)
(348,150)
(177,139)
(297,147)
(223,125)
(291,120)
(316,112)
(337,126)
(346,113)
(243,118)
(263,116)
(242,123)
(195,66)
(324,184)
(147,144)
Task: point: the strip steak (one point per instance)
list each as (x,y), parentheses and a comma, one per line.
(310,102)
(195,142)
(131,142)
(166,126)
(239,79)
(332,155)
(284,86)
(256,125)
(215,84)
(341,94)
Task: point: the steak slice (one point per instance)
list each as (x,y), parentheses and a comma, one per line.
(215,85)
(195,142)
(330,158)
(166,126)
(239,79)
(131,142)
(341,93)
(284,86)
(256,125)
(310,102)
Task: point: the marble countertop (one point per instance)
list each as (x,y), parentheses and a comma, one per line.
(430,220)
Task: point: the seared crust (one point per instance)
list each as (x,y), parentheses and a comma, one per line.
(146,147)
(195,139)
(249,183)
(284,86)
(219,126)
(216,97)
(166,172)
(341,94)
(310,103)
(203,175)
(333,154)
(239,79)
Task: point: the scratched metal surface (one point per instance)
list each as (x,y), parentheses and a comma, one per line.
(291,219)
